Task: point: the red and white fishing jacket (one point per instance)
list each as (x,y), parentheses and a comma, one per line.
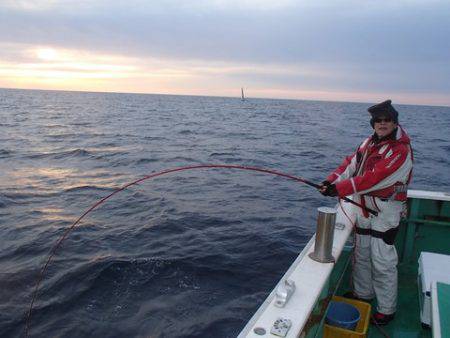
(378,169)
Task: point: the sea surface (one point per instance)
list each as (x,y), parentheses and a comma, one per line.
(188,254)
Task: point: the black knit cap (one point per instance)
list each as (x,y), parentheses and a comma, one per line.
(383,109)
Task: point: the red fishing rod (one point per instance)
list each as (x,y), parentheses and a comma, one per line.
(150,176)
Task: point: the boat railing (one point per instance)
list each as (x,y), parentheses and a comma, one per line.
(307,303)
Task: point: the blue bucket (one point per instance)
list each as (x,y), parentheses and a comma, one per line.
(343,315)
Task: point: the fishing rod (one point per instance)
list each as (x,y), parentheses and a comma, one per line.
(160,173)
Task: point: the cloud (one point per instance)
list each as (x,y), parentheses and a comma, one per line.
(221,31)
(38,60)
(398,46)
(145,6)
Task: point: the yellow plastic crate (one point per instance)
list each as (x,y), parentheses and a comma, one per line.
(362,326)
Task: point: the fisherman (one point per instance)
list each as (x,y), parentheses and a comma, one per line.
(377,175)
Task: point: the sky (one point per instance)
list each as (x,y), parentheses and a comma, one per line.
(349,50)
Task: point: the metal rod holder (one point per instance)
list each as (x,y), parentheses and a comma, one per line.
(324,236)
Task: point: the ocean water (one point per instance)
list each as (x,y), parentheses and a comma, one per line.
(189,254)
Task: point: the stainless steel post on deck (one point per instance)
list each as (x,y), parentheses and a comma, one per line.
(324,236)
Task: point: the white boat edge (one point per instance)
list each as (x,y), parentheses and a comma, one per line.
(310,277)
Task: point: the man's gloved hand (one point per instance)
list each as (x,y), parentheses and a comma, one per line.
(328,189)
(324,186)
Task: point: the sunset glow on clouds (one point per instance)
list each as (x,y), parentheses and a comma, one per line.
(55,63)
(284,49)
(52,68)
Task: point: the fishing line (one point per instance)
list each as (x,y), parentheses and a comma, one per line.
(98,203)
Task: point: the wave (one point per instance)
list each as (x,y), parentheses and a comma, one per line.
(77,153)
(55,126)
(154,138)
(13,196)
(106,145)
(4,153)
(312,154)
(147,160)
(446,148)
(62,136)
(62,154)
(82,188)
(182,159)
(110,277)
(141,271)
(81,124)
(186,132)
(221,154)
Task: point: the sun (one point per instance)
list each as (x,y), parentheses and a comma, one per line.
(47,54)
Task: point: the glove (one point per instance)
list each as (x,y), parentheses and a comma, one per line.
(330,190)
(323,186)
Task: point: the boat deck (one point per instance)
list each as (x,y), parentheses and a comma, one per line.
(426,229)
(407,323)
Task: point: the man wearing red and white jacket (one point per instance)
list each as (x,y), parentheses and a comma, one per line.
(377,175)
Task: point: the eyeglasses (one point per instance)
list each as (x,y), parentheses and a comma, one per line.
(386,119)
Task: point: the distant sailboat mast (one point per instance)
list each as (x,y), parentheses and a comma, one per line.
(242,94)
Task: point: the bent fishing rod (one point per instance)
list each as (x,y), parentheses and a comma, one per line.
(150,176)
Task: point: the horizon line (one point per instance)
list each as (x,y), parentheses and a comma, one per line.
(215,96)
